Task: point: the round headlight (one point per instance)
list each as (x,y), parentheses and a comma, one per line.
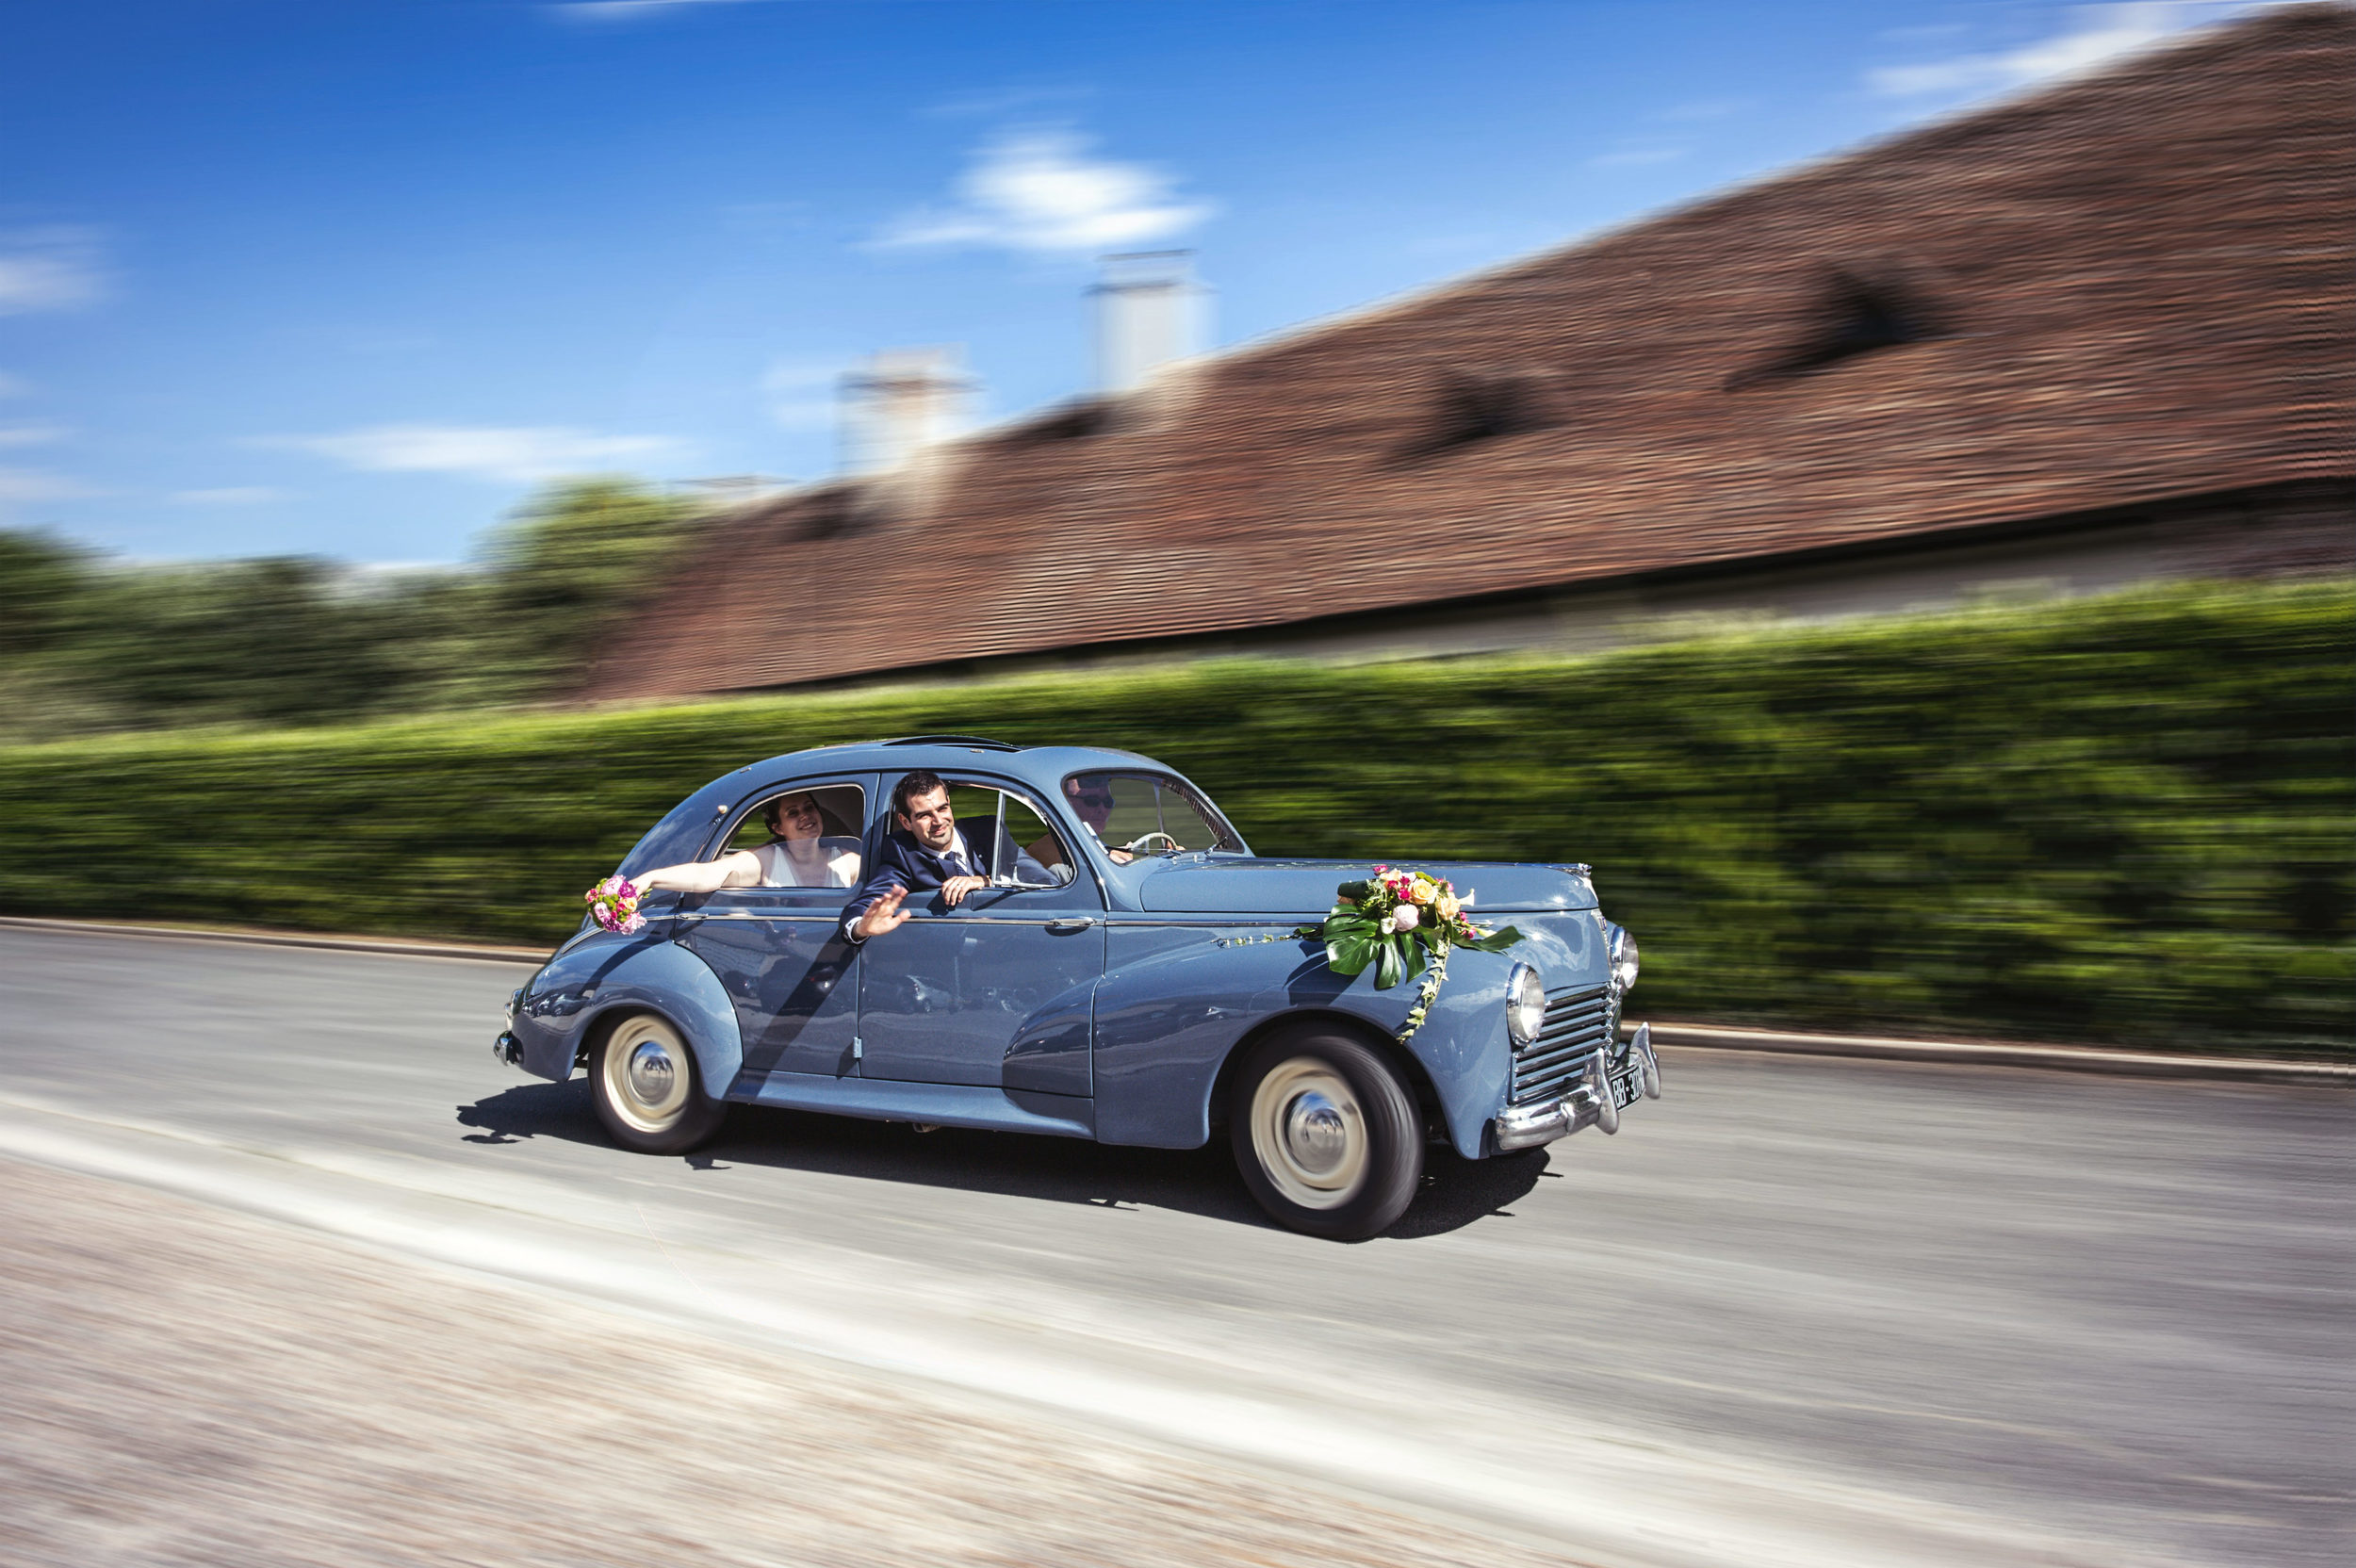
(1623,958)
(1525,1005)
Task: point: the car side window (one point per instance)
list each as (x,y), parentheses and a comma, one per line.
(1146,815)
(1016,845)
(1031,853)
(804,835)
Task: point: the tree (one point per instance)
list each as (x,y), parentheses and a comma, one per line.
(573,561)
(43,585)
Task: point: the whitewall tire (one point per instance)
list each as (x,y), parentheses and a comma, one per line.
(649,1093)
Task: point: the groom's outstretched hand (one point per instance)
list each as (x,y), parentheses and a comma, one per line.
(883,915)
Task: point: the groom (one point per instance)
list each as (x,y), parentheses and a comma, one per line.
(924,850)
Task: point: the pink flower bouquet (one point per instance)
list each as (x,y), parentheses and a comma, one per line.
(1391,920)
(613,904)
(1394,917)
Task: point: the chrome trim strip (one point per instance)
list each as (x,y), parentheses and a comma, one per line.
(838,917)
(1212,923)
(992,920)
(1271,922)
(1115,921)
(835,919)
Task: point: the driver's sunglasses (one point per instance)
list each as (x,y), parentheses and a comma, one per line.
(1102,798)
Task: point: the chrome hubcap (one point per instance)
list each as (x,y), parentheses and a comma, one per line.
(651,1072)
(644,1074)
(1309,1134)
(1317,1134)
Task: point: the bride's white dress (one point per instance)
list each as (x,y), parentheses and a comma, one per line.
(778,870)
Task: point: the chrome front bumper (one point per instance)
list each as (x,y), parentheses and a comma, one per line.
(507,1048)
(1586,1104)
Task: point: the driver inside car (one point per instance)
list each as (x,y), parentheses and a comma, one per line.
(1092,798)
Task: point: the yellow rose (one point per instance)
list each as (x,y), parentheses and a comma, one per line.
(1448,906)
(1424,892)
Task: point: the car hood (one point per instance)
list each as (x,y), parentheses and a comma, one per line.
(1247,885)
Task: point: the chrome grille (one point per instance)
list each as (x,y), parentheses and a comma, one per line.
(1577,1023)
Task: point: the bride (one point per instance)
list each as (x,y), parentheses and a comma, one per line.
(799,856)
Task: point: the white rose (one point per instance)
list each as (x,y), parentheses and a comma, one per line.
(1404,918)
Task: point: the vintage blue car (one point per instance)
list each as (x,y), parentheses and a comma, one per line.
(1109,976)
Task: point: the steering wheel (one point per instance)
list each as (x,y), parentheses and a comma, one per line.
(1143,843)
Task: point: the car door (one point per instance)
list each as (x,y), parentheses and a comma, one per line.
(942,997)
(780,952)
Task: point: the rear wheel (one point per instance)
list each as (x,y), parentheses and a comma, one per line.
(1326,1136)
(648,1092)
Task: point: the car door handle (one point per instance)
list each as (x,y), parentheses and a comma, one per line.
(1067,927)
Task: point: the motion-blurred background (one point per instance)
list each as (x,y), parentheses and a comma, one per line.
(1875,480)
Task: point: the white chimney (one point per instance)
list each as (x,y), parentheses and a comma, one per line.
(904,401)
(1149,312)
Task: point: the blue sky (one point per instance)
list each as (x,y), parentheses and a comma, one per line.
(351,279)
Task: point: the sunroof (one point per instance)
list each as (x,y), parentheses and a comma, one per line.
(982,740)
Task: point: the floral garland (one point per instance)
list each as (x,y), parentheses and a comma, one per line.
(613,904)
(1387,920)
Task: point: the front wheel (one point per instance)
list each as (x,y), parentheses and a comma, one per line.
(648,1093)
(1326,1136)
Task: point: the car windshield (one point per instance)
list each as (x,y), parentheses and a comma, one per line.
(1147,814)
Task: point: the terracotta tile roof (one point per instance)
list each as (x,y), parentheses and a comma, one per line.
(2138,285)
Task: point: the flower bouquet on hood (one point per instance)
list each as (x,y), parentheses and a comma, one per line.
(613,904)
(1394,918)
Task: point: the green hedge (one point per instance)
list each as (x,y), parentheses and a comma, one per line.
(2129,820)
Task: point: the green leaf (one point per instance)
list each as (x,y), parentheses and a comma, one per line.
(1352,891)
(1497,942)
(1390,965)
(1350,956)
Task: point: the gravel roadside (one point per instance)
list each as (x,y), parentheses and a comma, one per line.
(184,1385)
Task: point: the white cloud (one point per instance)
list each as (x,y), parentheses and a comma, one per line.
(2098,35)
(22,486)
(1041,192)
(802,393)
(48,270)
(231,495)
(1632,157)
(513,455)
(625,10)
(30,435)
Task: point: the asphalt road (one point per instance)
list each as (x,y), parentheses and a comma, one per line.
(1798,1310)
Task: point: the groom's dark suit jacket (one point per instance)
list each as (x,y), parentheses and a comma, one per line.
(902,862)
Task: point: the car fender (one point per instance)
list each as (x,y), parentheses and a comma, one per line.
(1460,1048)
(1166,1024)
(593,981)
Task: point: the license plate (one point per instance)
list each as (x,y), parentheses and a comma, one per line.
(1627,1087)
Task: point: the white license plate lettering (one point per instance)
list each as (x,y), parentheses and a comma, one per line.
(1624,1090)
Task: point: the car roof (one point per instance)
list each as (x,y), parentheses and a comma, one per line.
(1043,767)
